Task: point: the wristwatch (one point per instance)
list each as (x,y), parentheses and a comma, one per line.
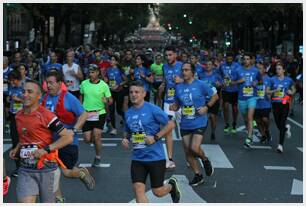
(47,148)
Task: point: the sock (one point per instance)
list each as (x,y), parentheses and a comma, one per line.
(98,157)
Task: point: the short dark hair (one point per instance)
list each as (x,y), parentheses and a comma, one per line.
(170,48)
(137,83)
(142,57)
(55,73)
(15,74)
(249,54)
(229,54)
(35,82)
(193,70)
(115,56)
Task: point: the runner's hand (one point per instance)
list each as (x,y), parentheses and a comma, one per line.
(13,153)
(202,110)
(40,152)
(125,143)
(149,140)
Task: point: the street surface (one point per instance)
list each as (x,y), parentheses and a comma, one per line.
(256,175)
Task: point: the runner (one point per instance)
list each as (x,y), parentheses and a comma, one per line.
(282,89)
(72,115)
(52,64)
(214,80)
(116,79)
(142,127)
(143,74)
(229,92)
(248,78)
(95,94)
(190,96)
(72,74)
(38,172)
(172,76)
(195,60)
(15,98)
(157,71)
(263,105)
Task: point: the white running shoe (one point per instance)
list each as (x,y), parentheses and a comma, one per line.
(105,128)
(280,149)
(170,164)
(288,132)
(113,132)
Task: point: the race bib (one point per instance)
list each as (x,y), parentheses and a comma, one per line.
(93,116)
(261,93)
(279,94)
(27,156)
(188,112)
(138,140)
(247,91)
(158,78)
(112,83)
(171,92)
(17,106)
(227,81)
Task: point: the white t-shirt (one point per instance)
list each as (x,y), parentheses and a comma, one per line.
(72,82)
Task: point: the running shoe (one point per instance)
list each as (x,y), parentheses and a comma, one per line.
(170,164)
(96,162)
(197,180)
(280,149)
(248,142)
(175,190)
(60,200)
(86,178)
(227,129)
(209,170)
(233,130)
(113,132)
(6,184)
(288,132)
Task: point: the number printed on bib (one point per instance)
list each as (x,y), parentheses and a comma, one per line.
(279,94)
(188,112)
(17,106)
(27,151)
(247,91)
(93,116)
(112,83)
(171,92)
(138,140)
(261,93)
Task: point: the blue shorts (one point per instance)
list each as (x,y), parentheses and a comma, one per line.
(244,105)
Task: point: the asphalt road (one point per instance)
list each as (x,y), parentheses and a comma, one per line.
(256,175)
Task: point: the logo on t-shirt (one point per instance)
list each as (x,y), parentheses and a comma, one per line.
(24,131)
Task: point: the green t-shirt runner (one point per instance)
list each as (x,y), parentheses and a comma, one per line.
(157,70)
(93,94)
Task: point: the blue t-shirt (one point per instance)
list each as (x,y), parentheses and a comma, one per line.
(71,104)
(6,84)
(190,97)
(246,89)
(199,71)
(282,85)
(147,73)
(141,122)
(229,73)
(115,76)
(18,92)
(169,73)
(47,67)
(263,101)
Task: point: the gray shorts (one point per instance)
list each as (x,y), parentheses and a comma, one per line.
(42,184)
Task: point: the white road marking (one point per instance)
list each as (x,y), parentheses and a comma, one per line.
(106,145)
(216,156)
(295,122)
(90,165)
(260,147)
(279,168)
(297,187)
(6,147)
(188,195)
(300,148)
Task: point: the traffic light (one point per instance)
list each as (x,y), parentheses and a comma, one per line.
(185,15)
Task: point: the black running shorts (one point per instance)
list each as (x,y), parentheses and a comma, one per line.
(69,155)
(90,125)
(156,169)
(230,97)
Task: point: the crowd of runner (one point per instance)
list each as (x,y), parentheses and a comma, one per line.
(50,101)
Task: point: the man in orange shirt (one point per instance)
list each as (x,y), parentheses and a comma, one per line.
(38,172)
